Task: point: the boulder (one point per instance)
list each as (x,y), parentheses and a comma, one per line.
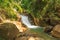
(21,27)
(8,31)
(56,31)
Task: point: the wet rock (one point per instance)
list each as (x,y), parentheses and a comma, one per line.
(48,29)
(8,31)
(56,31)
(20,26)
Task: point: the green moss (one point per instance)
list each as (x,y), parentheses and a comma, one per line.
(40,33)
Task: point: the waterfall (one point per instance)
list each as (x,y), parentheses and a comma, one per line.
(25,20)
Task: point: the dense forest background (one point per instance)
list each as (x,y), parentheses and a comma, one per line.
(42,11)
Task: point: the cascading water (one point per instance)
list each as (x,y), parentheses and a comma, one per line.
(25,20)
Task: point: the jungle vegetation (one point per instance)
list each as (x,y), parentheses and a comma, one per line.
(42,11)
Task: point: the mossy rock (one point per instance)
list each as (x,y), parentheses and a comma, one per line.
(8,31)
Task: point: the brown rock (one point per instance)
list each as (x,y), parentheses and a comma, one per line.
(8,31)
(1,20)
(19,25)
(21,38)
(48,29)
(56,31)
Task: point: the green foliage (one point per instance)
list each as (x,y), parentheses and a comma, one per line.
(42,9)
(37,7)
(9,6)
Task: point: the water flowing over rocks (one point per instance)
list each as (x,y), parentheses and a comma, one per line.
(26,21)
(10,29)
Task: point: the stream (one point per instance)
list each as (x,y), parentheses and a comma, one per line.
(26,21)
(33,30)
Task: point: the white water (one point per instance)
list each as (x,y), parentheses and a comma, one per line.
(25,20)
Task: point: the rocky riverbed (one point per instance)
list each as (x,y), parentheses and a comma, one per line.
(9,31)
(16,30)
